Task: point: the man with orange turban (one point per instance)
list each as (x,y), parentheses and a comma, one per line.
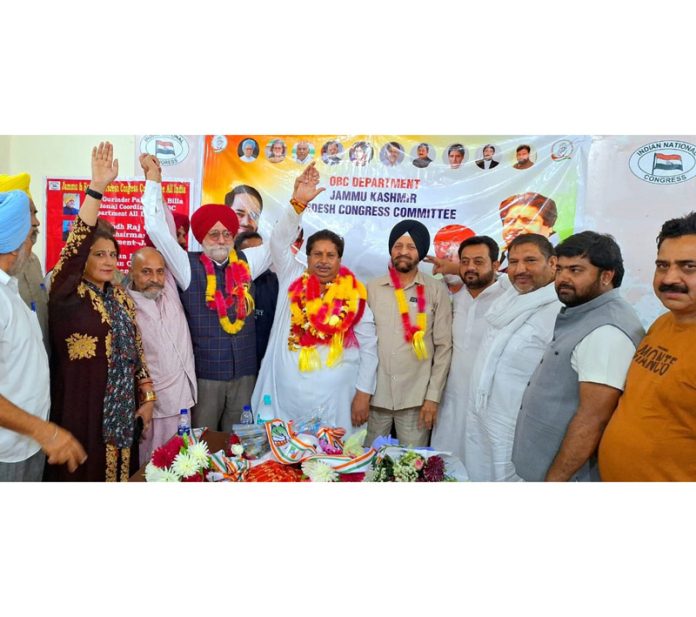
(215,290)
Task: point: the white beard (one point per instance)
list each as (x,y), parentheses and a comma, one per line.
(217,253)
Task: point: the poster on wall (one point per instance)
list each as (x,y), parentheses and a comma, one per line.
(120,206)
(456,185)
(638,183)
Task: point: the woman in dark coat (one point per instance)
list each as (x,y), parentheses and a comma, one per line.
(99,379)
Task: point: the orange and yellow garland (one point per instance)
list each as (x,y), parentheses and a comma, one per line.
(324,320)
(413,334)
(237,281)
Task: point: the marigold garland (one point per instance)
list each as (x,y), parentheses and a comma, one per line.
(414,334)
(237,281)
(324,320)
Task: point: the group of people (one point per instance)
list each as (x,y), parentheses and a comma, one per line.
(541,372)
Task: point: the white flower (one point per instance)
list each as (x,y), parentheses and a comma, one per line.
(405,473)
(153,473)
(169,476)
(317,471)
(184,465)
(199,453)
(237,449)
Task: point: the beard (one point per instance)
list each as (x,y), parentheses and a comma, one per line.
(20,262)
(570,296)
(474,280)
(217,253)
(404,264)
(153,291)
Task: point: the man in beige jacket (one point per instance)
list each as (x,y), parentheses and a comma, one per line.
(413,316)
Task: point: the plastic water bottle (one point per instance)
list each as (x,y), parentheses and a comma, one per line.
(247,416)
(184,423)
(266,412)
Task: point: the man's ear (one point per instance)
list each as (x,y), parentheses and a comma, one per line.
(607,276)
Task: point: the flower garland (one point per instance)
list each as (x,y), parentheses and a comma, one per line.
(324,320)
(413,334)
(237,281)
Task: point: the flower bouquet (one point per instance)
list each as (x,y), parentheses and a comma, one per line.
(181,459)
(406,465)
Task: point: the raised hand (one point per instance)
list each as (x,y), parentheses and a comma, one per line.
(305,188)
(104,166)
(151,167)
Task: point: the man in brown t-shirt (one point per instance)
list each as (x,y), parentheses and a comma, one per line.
(652,434)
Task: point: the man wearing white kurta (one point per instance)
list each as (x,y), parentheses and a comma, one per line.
(27,438)
(478,258)
(340,394)
(519,327)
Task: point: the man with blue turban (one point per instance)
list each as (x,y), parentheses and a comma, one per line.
(26,437)
(30,276)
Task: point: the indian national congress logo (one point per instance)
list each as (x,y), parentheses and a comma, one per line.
(169,149)
(664,162)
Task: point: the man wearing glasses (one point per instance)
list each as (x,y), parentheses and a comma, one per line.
(215,290)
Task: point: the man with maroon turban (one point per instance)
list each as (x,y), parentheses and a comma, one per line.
(182,224)
(214,288)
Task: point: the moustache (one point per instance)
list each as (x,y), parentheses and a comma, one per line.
(680,289)
(566,288)
(154,286)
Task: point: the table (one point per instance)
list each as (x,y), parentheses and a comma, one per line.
(217,440)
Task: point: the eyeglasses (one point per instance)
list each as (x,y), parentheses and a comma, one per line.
(215,235)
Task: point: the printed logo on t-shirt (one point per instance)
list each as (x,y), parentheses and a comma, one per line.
(655,359)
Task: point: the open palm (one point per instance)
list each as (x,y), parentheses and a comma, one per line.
(104,166)
(305,188)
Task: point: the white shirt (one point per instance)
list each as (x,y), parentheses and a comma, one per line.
(24,376)
(490,428)
(603,357)
(295,394)
(468,326)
